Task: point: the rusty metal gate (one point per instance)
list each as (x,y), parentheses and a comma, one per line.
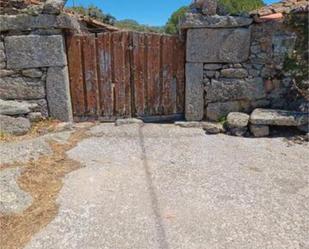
(126,74)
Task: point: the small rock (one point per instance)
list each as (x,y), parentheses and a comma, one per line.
(206,81)
(237,120)
(9,107)
(2,56)
(210,74)
(191,124)
(304,107)
(209,127)
(238,73)
(32,10)
(217,75)
(212,66)
(32,73)
(303,119)
(209,7)
(5,73)
(83,125)
(257,66)
(239,132)
(14,126)
(266,73)
(245,106)
(53,6)
(237,123)
(259,130)
(260,103)
(64,126)
(59,137)
(39,106)
(127,121)
(35,117)
(254,72)
(255,49)
(213,128)
(2,65)
(304,128)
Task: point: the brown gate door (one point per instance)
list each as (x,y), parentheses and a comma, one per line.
(126,74)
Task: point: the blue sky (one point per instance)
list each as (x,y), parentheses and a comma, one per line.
(151,12)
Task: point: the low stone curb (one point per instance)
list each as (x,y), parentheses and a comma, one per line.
(128,121)
(209,127)
(258,123)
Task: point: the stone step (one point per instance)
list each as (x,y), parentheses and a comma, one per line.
(278,117)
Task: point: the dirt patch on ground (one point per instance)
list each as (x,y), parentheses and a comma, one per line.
(37,129)
(43,180)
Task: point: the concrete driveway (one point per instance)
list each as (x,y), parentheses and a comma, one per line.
(165,187)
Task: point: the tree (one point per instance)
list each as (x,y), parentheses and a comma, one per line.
(232,7)
(240,6)
(129,24)
(95,13)
(171,26)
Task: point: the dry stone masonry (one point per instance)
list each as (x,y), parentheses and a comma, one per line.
(236,64)
(34,81)
(217,45)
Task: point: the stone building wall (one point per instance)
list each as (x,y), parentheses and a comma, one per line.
(33,66)
(26,85)
(235,64)
(258,81)
(12,7)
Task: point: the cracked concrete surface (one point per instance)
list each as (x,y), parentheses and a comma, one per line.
(30,149)
(166,187)
(12,198)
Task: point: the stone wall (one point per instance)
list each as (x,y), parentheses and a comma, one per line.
(236,65)
(33,66)
(12,7)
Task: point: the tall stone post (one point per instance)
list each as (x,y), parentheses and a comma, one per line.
(212,43)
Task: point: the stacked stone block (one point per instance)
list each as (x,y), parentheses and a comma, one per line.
(242,63)
(33,68)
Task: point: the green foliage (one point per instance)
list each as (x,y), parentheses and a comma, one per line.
(95,13)
(223,120)
(240,6)
(230,6)
(297,63)
(133,25)
(171,26)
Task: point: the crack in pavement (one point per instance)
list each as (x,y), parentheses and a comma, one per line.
(162,240)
